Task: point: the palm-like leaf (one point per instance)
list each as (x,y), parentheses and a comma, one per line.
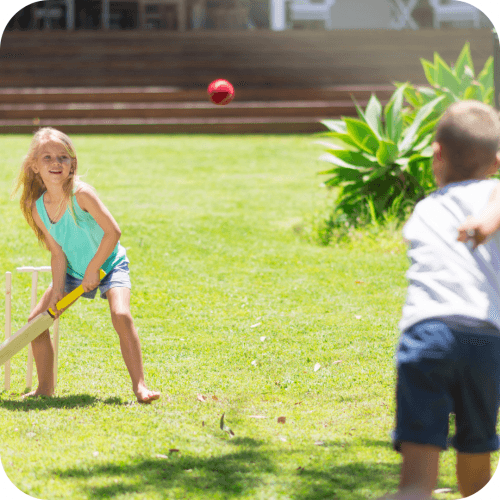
(379,169)
(382,161)
(464,61)
(411,133)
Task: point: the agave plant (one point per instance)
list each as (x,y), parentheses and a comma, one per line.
(379,163)
(382,160)
(454,83)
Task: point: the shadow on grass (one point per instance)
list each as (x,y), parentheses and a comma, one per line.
(243,472)
(357,480)
(187,476)
(353,481)
(66,402)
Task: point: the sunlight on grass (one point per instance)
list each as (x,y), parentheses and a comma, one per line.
(236,307)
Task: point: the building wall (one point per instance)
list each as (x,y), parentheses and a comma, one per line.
(361,14)
(346,14)
(249,59)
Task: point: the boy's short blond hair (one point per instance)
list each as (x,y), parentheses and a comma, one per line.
(469,133)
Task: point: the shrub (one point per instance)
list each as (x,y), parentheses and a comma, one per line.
(381,161)
(456,83)
(379,165)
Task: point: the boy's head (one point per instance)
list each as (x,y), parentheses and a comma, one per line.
(467,143)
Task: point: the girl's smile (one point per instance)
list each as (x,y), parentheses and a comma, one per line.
(54,161)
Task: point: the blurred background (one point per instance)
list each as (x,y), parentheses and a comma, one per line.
(144,65)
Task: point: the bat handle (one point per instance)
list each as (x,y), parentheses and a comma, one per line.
(71,297)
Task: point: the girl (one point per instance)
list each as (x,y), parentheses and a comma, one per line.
(82,236)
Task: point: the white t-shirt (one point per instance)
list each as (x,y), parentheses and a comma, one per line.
(446,279)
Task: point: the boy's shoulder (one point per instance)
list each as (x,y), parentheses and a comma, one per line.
(448,207)
(470,191)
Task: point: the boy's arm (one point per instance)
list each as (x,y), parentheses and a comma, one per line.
(90,202)
(479,229)
(58,263)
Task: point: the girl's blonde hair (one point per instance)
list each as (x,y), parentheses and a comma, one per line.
(31,183)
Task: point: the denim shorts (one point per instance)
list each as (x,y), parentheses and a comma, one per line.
(441,371)
(119,277)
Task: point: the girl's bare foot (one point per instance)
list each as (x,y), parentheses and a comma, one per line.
(145,396)
(36,393)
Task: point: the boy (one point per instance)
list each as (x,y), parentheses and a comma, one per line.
(448,358)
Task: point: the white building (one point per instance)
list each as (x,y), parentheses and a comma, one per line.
(281,14)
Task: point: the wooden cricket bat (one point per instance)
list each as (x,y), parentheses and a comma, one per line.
(37,326)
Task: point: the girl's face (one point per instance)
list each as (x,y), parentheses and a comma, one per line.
(53,163)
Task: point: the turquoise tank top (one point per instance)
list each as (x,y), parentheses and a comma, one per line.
(79,240)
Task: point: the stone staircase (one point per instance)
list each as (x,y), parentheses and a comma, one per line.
(174,110)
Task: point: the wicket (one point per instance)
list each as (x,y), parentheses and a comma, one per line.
(8,305)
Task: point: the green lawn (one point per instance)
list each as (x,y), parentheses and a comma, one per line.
(235,308)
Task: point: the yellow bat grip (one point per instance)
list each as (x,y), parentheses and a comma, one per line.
(72,296)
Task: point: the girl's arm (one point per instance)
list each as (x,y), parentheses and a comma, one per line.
(58,263)
(483,226)
(90,202)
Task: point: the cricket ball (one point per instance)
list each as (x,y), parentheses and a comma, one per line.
(221,92)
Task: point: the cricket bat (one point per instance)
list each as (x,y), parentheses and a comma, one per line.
(37,326)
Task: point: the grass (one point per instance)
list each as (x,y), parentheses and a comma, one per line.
(235,308)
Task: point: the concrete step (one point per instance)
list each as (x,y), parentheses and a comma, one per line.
(255,109)
(141,94)
(269,125)
(179,110)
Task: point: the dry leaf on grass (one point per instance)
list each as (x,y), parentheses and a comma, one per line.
(281,420)
(224,427)
(201,398)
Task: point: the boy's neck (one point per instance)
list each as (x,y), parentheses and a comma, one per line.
(456,181)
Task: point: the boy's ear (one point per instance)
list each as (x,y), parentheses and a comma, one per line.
(494,166)
(438,150)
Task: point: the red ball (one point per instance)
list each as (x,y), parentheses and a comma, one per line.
(221,92)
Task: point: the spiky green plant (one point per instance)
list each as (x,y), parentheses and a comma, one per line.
(382,160)
(455,83)
(379,165)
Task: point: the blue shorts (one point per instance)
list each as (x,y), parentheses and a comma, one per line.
(119,277)
(442,371)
